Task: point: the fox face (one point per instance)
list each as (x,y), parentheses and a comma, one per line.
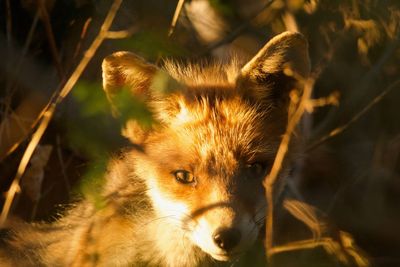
(207,172)
(218,129)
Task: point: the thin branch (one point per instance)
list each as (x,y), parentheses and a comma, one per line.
(301,245)
(176,16)
(62,165)
(11,84)
(306,214)
(366,80)
(355,118)
(91,51)
(8,23)
(50,38)
(344,249)
(49,111)
(272,177)
(82,37)
(14,187)
(332,99)
(122,34)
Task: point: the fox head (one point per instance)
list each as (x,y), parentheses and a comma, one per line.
(218,129)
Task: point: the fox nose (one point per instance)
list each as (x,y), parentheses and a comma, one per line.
(227,238)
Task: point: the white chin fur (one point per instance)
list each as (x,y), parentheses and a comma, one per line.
(165,206)
(202,237)
(202,230)
(220,257)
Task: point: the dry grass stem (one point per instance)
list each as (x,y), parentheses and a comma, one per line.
(82,37)
(280,155)
(9,22)
(50,38)
(301,245)
(306,214)
(345,248)
(176,16)
(14,187)
(91,51)
(49,111)
(122,34)
(62,164)
(10,87)
(356,117)
(332,99)
(344,251)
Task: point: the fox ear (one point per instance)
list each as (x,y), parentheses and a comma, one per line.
(126,70)
(273,72)
(144,82)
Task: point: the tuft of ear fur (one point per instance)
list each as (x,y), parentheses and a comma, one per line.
(276,68)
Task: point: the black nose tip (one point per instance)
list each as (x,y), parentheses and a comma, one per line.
(227,238)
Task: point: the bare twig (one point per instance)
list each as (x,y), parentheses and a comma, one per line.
(356,117)
(332,99)
(14,187)
(61,161)
(90,52)
(50,38)
(122,34)
(365,83)
(280,155)
(306,214)
(176,16)
(8,22)
(82,36)
(301,245)
(49,111)
(344,249)
(11,84)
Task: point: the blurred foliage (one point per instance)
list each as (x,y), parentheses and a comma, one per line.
(91,131)
(224,7)
(152,45)
(93,101)
(92,182)
(89,134)
(95,134)
(130,107)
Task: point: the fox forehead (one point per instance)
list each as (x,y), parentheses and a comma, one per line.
(205,73)
(217,116)
(215,131)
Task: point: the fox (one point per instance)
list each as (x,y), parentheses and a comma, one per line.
(189,192)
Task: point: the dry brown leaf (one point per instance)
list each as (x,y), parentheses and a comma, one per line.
(31,182)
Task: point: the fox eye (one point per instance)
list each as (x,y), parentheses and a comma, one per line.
(184,177)
(256,168)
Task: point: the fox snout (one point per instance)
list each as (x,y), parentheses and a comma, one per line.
(224,232)
(227,238)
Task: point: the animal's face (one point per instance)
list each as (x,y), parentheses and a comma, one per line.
(207,169)
(218,132)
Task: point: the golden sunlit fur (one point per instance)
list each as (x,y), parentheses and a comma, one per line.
(190,192)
